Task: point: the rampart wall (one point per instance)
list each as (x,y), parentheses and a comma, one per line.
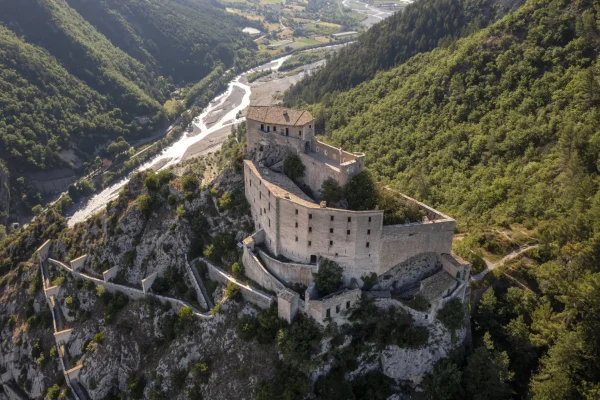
(289,273)
(249,294)
(401,242)
(334,306)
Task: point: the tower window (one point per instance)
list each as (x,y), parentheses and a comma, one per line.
(347,304)
(268,128)
(349,219)
(262,127)
(368,244)
(296,238)
(310,126)
(368,231)
(309,243)
(369,219)
(296,224)
(332,218)
(330,230)
(274,129)
(348,232)
(331,242)
(287,131)
(296,211)
(309,216)
(300,133)
(310,229)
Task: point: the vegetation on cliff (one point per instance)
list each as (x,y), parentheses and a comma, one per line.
(499,129)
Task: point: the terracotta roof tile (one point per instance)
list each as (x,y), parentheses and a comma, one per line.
(279,116)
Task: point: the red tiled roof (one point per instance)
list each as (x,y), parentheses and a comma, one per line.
(279,116)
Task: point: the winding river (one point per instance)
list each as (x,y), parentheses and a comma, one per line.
(174,153)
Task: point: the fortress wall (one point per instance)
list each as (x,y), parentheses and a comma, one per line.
(254,270)
(316,173)
(249,294)
(289,273)
(332,153)
(401,242)
(334,306)
(294,140)
(409,272)
(263,207)
(348,249)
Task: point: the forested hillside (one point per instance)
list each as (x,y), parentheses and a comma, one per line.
(182,39)
(78,74)
(500,129)
(422,26)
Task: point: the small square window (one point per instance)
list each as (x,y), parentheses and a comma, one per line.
(336,254)
(330,230)
(310,229)
(332,218)
(348,232)
(309,243)
(368,231)
(368,244)
(310,126)
(331,242)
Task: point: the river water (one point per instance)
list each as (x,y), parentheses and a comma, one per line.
(174,153)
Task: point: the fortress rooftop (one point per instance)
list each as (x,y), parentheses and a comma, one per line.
(279,116)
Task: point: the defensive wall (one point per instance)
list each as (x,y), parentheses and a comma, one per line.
(334,306)
(303,231)
(249,293)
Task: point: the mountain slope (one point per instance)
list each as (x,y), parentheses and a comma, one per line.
(501,130)
(179,38)
(421,27)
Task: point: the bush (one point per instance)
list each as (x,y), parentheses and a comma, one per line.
(331,191)
(293,167)
(99,337)
(189,182)
(237,269)
(201,371)
(164,176)
(329,277)
(263,328)
(452,315)
(396,209)
(361,192)
(152,182)
(232,291)
(144,203)
(299,343)
(418,303)
(369,281)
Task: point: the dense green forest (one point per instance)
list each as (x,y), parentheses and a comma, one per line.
(79,74)
(500,129)
(422,26)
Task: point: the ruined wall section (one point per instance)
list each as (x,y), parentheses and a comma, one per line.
(402,242)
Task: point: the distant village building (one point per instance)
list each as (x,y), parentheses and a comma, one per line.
(298,228)
(251,31)
(345,35)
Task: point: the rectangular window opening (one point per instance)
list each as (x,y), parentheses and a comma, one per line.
(330,230)
(348,232)
(368,244)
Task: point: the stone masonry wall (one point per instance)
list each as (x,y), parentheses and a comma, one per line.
(288,273)
(409,272)
(401,242)
(254,270)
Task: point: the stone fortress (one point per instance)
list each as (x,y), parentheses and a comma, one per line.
(409,259)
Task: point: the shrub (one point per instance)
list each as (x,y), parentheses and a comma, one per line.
(452,315)
(180,211)
(293,167)
(201,371)
(369,281)
(53,392)
(299,343)
(232,291)
(418,303)
(263,328)
(329,277)
(189,182)
(152,182)
(237,269)
(361,192)
(99,337)
(396,209)
(144,203)
(164,176)
(331,191)
(172,200)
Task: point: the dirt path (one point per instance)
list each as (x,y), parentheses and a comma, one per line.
(490,266)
